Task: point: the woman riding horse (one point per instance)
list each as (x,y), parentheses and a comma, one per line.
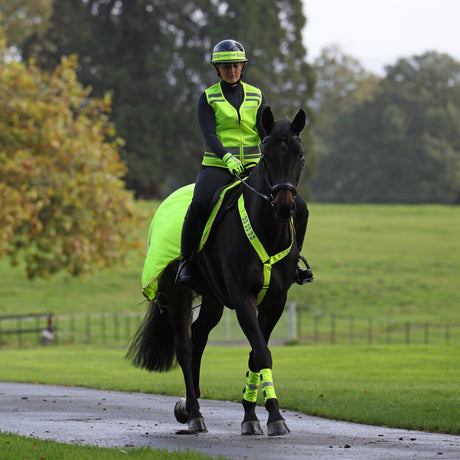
(229,114)
(247,263)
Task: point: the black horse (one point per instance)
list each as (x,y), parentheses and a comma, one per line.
(248,264)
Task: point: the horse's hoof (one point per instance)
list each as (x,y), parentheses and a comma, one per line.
(278,428)
(251,428)
(197,425)
(180,412)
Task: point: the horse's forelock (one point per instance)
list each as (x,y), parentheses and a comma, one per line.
(282,129)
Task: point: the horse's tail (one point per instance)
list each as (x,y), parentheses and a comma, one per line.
(152,347)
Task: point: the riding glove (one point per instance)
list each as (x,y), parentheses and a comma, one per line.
(233,164)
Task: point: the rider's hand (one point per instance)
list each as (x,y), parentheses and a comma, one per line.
(233,164)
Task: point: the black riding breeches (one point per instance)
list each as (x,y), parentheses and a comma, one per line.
(208,181)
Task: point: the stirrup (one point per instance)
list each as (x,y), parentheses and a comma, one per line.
(184,273)
(304,275)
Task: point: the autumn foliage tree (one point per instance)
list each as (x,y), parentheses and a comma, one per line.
(63,204)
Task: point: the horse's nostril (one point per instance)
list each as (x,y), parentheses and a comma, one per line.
(284,205)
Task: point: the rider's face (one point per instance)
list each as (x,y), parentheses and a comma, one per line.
(230,72)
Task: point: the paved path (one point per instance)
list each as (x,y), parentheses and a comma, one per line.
(116,419)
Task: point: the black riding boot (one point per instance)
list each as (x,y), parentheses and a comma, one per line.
(188,246)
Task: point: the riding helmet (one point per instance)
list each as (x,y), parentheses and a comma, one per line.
(228,51)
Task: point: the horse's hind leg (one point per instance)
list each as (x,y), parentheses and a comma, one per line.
(179,310)
(210,314)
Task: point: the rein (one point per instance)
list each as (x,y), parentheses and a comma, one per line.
(274,189)
(262,195)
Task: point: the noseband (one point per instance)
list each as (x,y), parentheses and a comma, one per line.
(274,189)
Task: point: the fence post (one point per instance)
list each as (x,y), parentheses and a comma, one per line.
(19,323)
(103,331)
(316,328)
(127,326)
(73,331)
(88,328)
(116,326)
(333,328)
(389,332)
(351,329)
(292,332)
(370,331)
(53,326)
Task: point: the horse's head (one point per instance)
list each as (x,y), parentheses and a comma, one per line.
(282,160)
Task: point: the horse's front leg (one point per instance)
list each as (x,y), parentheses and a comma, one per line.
(260,365)
(251,424)
(269,315)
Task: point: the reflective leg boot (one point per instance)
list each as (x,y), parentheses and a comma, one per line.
(304,275)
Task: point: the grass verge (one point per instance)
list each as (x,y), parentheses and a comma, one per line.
(398,386)
(14,447)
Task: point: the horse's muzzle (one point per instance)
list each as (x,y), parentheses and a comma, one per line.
(284,204)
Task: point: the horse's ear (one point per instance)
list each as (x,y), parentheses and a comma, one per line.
(299,121)
(268,122)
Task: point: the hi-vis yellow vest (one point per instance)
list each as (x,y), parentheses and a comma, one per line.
(236,130)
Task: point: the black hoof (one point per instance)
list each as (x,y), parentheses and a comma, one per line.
(278,428)
(197,425)
(251,428)
(180,412)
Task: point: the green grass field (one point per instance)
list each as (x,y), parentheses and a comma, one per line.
(382,260)
(400,262)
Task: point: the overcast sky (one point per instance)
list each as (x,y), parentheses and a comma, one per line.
(377,32)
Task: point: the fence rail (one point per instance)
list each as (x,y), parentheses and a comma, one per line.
(297,324)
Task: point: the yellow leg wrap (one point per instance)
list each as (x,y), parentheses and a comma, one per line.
(252,386)
(267,384)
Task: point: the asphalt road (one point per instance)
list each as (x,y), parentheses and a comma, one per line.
(125,420)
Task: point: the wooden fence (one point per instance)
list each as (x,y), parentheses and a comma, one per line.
(298,324)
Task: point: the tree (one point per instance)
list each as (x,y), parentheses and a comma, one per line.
(21,18)
(403,145)
(155,58)
(342,85)
(63,205)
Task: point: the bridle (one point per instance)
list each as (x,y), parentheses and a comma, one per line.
(273,189)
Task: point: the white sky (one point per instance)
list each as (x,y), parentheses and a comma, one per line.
(378,32)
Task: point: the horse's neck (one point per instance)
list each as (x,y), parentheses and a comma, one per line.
(275,236)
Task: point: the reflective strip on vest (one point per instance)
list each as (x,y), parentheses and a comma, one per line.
(235,129)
